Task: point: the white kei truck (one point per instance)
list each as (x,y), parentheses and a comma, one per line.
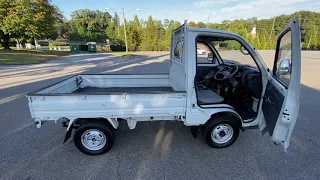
(229,90)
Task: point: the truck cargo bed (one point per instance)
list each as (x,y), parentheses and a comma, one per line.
(108,96)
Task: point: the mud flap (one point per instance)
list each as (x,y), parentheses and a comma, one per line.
(195,131)
(68,135)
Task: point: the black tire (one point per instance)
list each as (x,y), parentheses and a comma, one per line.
(221,121)
(97,128)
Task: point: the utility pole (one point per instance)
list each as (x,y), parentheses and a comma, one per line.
(208,22)
(274,20)
(124,24)
(125,32)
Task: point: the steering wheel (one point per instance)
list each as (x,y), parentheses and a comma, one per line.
(226,72)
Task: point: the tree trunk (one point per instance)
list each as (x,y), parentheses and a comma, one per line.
(18,44)
(36,43)
(5,39)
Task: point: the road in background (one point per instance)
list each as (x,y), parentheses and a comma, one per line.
(156,150)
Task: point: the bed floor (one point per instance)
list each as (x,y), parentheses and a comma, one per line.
(124,90)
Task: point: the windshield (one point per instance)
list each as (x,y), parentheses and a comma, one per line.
(229,51)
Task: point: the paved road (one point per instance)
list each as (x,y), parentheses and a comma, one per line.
(160,150)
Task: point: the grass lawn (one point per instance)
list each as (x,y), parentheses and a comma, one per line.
(27,56)
(126,55)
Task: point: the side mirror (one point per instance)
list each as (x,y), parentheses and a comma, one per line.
(210,58)
(244,50)
(284,67)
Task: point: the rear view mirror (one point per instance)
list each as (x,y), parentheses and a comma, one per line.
(244,50)
(284,67)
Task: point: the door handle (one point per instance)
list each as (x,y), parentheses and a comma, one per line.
(270,100)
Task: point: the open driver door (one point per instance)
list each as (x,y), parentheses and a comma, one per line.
(281,103)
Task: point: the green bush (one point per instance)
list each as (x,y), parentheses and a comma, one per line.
(101,49)
(59,43)
(117,48)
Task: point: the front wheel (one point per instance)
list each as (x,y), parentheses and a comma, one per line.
(94,138)
(221,131)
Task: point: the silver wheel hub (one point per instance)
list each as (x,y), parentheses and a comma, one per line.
(93,139)
(222,133)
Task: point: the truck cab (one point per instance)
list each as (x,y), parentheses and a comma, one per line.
(218,91)
(231,87)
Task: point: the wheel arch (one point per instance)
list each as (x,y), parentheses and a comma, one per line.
(216,120)
(111,121)
(235,115)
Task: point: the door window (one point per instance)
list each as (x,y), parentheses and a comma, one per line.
(283,63)
(178,51)
(204,54)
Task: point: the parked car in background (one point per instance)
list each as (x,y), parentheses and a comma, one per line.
(201,51)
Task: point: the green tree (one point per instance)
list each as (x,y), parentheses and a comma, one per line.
(42,19)
(12,23)
(201,25)
(28,19)
(311,37)
(168,32)
(116,24)
(6,6)
(89,25)
(160,36)
(134,34)
(111,31)
(250,39)
(64,29)
(149,35)
(192,24)
(263,41)
(256,42)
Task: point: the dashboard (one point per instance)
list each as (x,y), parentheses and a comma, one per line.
(245,77)
(249,77)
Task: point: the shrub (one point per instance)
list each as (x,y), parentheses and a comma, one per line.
(117,48)
(59,43)
(100,49)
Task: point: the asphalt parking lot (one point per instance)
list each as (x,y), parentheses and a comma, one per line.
(156,150)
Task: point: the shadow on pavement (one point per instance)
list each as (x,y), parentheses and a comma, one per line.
(102,62)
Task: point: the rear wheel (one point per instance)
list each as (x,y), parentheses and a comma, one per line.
(221,131)
(94,138)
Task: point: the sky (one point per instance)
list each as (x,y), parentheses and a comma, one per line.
(192,10)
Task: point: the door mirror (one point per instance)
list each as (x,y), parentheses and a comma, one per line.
(284,67)
(210,58)
(244,50)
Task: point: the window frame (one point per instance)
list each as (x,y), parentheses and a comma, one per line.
(274,69)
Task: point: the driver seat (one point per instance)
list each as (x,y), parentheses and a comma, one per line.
(207,96)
